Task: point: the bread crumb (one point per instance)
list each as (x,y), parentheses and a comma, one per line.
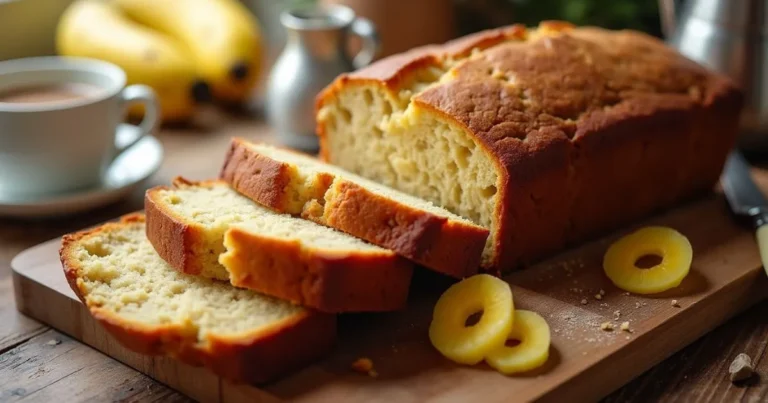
(598,296)
(607,326)
(602,292)
(626,293)
(584,301)
(617,314)
(627,337)
(675,303)
(625,327)
(741,368)
(364,365)
(637,305)
(54,342)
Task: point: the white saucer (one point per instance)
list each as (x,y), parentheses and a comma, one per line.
(124,175)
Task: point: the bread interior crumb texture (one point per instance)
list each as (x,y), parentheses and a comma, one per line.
(121,272)
(381,135)
(217,207)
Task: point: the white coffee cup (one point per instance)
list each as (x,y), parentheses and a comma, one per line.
(54,147)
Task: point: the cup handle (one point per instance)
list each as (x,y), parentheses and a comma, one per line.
(144,95)
(366,30)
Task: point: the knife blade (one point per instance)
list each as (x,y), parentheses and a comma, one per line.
(746,200)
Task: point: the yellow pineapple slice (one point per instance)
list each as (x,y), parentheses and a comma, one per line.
(464,343)
(674,249)
(532,331)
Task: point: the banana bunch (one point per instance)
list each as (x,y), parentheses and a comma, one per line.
(186,50)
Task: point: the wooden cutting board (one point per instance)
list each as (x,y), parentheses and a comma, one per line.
(585,363)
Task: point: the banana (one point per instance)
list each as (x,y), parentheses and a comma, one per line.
(222,36)
(98,29)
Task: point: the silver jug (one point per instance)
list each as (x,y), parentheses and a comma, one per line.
(728,36)
(314,54)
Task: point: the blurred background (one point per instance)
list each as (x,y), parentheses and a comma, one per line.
(402,24)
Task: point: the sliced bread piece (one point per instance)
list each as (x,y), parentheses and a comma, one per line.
(294,183)
(277,254)
(153,309)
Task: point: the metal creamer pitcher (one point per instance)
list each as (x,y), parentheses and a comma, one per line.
(314,54)
(728,36)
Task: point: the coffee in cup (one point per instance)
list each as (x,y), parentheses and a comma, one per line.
(57,92)
(58,122)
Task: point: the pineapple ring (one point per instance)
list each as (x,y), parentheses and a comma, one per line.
(469,344)
(620,261)
(533,351)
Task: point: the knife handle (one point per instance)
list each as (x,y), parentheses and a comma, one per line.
(762,245)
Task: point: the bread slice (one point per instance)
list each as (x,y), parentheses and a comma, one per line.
(153,309)
(294,183)
(190,224)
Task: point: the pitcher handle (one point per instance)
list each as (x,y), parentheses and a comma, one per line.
(366,30)
(667,14)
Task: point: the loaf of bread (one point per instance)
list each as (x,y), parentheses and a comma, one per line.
(153,309)
(294,183)
(545,136)
(290,258)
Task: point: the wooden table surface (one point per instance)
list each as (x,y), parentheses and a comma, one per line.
(37,362)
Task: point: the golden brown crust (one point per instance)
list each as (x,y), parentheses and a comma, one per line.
(267,178)
(588,128)
(324,280)
(449,247)
(435,242)
(172,238)
(254,357)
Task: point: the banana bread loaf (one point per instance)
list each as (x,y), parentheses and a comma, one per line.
(545,136)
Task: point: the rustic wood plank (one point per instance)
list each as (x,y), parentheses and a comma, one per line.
(700,372)
(53,367)
(14,328)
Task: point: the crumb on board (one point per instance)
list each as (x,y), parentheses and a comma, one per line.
(741,368)
(602,292)
(598,296)
(626,293)
(675,303)
(54,342)
(617,314)
(627,337)
(625,327)
(607,326)
(638,305)
(584,301)
(364,365)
